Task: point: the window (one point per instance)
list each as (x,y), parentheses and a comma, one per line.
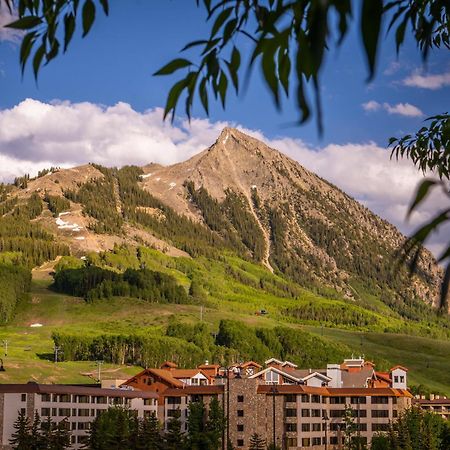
(172,412)
(402,379)
(46,398)
(306,427)
(358,400)
(359,413)
(148,402)
(316,413)
(116,400)
(240,442)
(291,412)
(73,439)
(305,413)
(54,412)
(240,398)
(291,442)
(93,412)
(305,398)
(290,398)
(83,399)
(380,400)
(174,400)
(395,413)
(23,397)
(380,413)
(306,442)
(396,379)
(316,441)
(74,412)
(240,413)
(65,398)
(272,377)
(337,400)
(74,425)
(361,427)
(315,398)
(101,400)
(45,412)
(337,413)
(64,412)
(333,440)
(84,425)
(240,428)
(380,427)
(290,427)
(335,426)
(83,412)
(316,427)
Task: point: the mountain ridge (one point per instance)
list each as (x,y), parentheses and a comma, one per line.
(260,203)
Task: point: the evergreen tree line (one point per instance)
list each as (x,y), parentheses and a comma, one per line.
(5,189)
(7,205)
(189,345)
(415,430)
(40,435)
(232,219)
(56,204)
(94,283)
(31,209)
(332,314)
(18,234)
(98,197)
(119,428)
(14,286)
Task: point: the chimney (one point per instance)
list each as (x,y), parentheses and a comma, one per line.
(206,362)
(334,372)
(431,396)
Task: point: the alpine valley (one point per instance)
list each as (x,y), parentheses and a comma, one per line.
(237,253)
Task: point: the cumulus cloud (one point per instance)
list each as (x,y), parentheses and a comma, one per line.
(427,81)
(371,105)
(8,34)
(34,135)
(402,109)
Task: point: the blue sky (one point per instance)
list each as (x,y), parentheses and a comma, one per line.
(116,62)
(100,102)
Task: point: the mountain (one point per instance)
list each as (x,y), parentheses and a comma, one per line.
(238,196)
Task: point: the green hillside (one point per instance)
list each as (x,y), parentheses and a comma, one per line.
(227,293)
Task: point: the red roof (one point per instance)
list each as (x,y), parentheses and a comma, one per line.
(399,367)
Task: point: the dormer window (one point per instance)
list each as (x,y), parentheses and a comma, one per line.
(272,377)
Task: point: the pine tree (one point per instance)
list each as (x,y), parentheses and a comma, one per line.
(21,438)
(174,438)
(215,424)
(150,437)
(36,433)
(257,442)
(61,435)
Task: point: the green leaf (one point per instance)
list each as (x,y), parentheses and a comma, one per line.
(221,18)
(371,13)
(421,193)
(222,88)
(204,95)
(105,6)
(172,66)
(88,16)
(37,60)
(172,98)
(25,49)
(25,23)
(69,28)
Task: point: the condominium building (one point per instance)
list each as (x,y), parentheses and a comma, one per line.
(79,404)
(435,404)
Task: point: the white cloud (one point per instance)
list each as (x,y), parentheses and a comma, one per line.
(371,105)
(34,135)
(427,81)
(392,68)
(8,34)
(402,109)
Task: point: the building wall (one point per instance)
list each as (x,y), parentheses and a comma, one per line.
(79,410)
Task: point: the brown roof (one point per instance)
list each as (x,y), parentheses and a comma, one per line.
(436,401)
(209,366)
(192,390)
(250,363)
(399,367)
(169,364)
(187,373)
(35,388)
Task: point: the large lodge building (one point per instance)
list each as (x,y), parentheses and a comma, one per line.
(296,409)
